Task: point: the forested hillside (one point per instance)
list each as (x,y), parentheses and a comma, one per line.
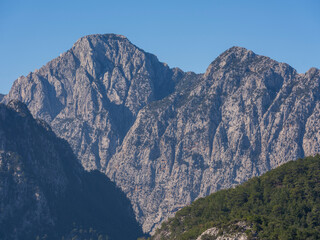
(281,204)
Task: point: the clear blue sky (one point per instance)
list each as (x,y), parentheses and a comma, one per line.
(186,34)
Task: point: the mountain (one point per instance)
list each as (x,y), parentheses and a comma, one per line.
(45,193)
(1,97)
(167,137)
(92,93)
(248,114)
(281,204)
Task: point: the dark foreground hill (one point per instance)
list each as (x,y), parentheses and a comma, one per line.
(45,192)
(281,204)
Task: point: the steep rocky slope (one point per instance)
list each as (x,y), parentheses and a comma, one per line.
(45,192)
(91,94)
(167,137)
(281,204)
(247,115)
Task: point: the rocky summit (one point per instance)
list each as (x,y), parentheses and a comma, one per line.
(167,137)
(91,94)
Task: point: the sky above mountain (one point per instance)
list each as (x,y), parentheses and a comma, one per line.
(187,34)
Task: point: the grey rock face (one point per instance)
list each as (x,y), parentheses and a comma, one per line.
(167,137)
(213,233)
(244,115)
(91,94)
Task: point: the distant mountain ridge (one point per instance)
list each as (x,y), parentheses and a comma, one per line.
(45,192)
(167,137)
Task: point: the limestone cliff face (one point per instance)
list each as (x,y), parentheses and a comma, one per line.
(245,114)
(167,137)
(91,94)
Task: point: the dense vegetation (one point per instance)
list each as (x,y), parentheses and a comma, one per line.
(281,204)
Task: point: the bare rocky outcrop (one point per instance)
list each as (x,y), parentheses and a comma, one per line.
(167,137)
(214,233)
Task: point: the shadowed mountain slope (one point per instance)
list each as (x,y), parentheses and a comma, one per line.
(45,192)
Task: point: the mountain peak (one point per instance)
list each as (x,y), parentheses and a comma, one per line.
(236,53)
(105,36)
(312,72)
(101,37)
(232,57)
(237,49)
